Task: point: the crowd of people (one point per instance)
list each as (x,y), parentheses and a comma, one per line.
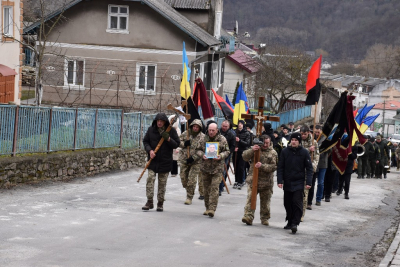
(302,171)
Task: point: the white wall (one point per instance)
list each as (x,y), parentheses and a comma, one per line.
(10,50)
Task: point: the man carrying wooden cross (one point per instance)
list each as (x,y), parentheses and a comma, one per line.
(261,175)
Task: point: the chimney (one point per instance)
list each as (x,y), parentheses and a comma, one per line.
(215,18)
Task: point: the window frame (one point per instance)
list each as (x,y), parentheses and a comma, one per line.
(73,85)
(109,14)
(145,91)
(10,6)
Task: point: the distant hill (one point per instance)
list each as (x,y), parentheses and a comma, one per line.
(345,29)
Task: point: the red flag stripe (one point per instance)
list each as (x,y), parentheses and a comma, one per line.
(313,75)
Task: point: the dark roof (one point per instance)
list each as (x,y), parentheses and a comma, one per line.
(164,9)
(189,4)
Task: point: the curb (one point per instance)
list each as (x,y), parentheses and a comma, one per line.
(391,253)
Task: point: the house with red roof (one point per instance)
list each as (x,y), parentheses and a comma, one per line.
(387,110)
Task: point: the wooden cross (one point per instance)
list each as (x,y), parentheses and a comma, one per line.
(260,119)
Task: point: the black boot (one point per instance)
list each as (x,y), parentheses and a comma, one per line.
(160,206)
(288,226)
(359,177)
(384,176)
(149,205)
(294,229)
(346,196)
(368,176)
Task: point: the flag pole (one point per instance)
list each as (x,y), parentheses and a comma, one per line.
(315,116)
(187,122)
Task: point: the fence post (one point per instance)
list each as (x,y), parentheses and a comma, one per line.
(76,126)
(122,129)
(50,121)
(15,131)
(95,128)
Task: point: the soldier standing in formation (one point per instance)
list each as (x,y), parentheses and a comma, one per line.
(162,162)
(190,167)
(369,152)
(212,169)
(267,165)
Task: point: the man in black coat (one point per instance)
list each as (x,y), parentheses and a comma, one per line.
(230,138)
(242,143)
(268,131)
(294,167)
(161,163)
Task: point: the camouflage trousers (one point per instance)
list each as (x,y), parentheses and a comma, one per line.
(189,175)
(211,189)
(265,201)
(305,200)
(162,185)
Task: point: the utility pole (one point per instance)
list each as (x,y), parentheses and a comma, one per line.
(383,118)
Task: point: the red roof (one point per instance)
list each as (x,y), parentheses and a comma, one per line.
(6,71)
(244,61)
(391,104)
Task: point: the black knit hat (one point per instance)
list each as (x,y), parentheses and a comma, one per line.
(242,122)
(296,135)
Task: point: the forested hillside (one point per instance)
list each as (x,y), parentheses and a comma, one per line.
(343,28)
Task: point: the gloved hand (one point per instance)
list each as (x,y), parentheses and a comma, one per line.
(190,160)
(165,135)
(187,143)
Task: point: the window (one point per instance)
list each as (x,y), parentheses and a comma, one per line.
(146,78)
(74,73)
(118,19)
(8,21)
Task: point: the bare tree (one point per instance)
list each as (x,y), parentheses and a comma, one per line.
(381,61)
(282,76)
(37,13)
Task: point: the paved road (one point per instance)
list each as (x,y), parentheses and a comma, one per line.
(98,221)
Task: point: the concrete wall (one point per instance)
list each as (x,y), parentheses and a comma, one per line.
(11,50)
(67,165)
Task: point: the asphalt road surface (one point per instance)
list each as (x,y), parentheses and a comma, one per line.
(98,221)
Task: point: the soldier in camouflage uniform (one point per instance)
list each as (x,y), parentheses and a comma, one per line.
(190,167)
(212,169)
(161,163)
(266,167)
(397,154)
(312,148)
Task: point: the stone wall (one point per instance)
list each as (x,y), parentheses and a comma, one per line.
(66,165)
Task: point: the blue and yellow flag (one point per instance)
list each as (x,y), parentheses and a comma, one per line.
(368,122)
(185,86)
(240,105)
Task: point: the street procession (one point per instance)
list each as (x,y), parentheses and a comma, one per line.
(308,162)
(199,133)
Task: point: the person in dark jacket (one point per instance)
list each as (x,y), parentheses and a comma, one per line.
(161,163)
(370,151)
(346,176)
(363,161)
(242,143)
(230,138)
(373,156)
(278,143)
(294,168)
(268,131)
(384,157)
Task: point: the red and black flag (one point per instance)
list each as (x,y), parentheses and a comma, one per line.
(225,108)
(313,86)
(200,97)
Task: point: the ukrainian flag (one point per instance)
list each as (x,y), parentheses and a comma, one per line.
(240,105)
(185,86)
(367,122)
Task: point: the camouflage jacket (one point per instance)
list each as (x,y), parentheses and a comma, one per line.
(397,152)
(315,155)
(195,142)
(212,166)
(269,161)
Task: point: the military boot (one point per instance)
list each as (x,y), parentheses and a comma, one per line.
(265,222)
(211,213)
(205,213)
(149,205)
(160,206)
(188,201)
(247,220)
